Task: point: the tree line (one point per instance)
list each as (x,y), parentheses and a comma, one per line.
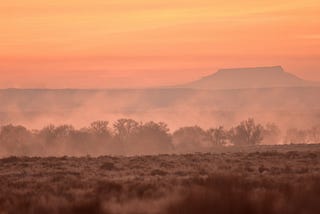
(127,136)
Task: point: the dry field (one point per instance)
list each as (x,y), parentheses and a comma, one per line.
(269,179)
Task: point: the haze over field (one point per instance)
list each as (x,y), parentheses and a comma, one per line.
(224,98)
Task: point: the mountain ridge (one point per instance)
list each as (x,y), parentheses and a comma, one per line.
(250,77)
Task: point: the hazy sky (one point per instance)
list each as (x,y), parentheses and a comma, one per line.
(129,43)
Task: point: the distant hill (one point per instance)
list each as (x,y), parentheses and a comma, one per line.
(230,95)
(256,77)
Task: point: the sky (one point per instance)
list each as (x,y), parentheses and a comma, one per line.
(146,43)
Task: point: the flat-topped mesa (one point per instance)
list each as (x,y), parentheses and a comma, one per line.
(252,70)
(254,77)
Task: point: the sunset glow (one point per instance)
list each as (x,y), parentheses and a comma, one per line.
(143,43)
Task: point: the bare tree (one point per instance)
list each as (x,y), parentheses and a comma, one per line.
(125,128)
(100,128)
(217,136)
(247,132)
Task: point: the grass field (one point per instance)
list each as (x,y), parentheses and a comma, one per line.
(259,179)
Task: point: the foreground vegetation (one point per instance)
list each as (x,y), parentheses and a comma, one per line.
(254,179)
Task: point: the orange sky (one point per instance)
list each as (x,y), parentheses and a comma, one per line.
(138,43)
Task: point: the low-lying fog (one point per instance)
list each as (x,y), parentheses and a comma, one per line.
(191,119)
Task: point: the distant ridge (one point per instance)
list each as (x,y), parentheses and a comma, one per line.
(252,77)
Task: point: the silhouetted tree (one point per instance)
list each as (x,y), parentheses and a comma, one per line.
(15,139)
(64,131)
(247,132)
(152,138)
(125,128)
(100,128)
(99,138)
(48,133)
(58,140)
(189,138)
(217,136)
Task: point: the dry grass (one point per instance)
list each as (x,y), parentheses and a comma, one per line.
(280,179)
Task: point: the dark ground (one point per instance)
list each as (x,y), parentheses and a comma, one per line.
(269,179)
